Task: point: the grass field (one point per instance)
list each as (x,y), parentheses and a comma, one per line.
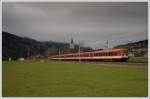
(51,78)
(138,59)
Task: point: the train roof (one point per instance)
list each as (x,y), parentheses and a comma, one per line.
(98,51)
(102,51)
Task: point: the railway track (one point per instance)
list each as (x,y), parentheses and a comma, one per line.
(102,62)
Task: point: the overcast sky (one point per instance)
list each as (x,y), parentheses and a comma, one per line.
(92,23)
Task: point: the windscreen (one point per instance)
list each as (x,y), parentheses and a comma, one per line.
(125,51)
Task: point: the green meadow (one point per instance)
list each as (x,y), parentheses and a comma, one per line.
(73,79)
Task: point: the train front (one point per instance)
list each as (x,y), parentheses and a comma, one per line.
(124,55)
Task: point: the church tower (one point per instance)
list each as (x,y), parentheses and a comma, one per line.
(71,44)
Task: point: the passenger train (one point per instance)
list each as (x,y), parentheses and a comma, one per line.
(99,55)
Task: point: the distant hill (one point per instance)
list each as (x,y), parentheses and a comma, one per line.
(139,48)
(14,46)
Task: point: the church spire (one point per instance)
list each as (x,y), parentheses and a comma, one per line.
(72,45)
(72,40)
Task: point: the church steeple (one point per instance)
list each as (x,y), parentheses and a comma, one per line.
(72,45)
(71,40)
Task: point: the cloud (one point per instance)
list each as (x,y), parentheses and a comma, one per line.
(93,23)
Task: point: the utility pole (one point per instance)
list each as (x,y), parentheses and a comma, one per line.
(79,51)
(107,46)
(59,51)
(62,52)
(28,53)
(130,48)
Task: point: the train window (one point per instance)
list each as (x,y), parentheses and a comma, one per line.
(92,54)
(86,55)
(114,54)
(97,54)
(101,54)
(125,51)
(106,54)
(111,54)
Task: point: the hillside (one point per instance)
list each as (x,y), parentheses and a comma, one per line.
(139,48)
(14,46)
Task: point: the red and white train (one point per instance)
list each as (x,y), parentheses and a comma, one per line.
(99,55)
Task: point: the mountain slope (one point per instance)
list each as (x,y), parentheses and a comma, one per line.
(14,46)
